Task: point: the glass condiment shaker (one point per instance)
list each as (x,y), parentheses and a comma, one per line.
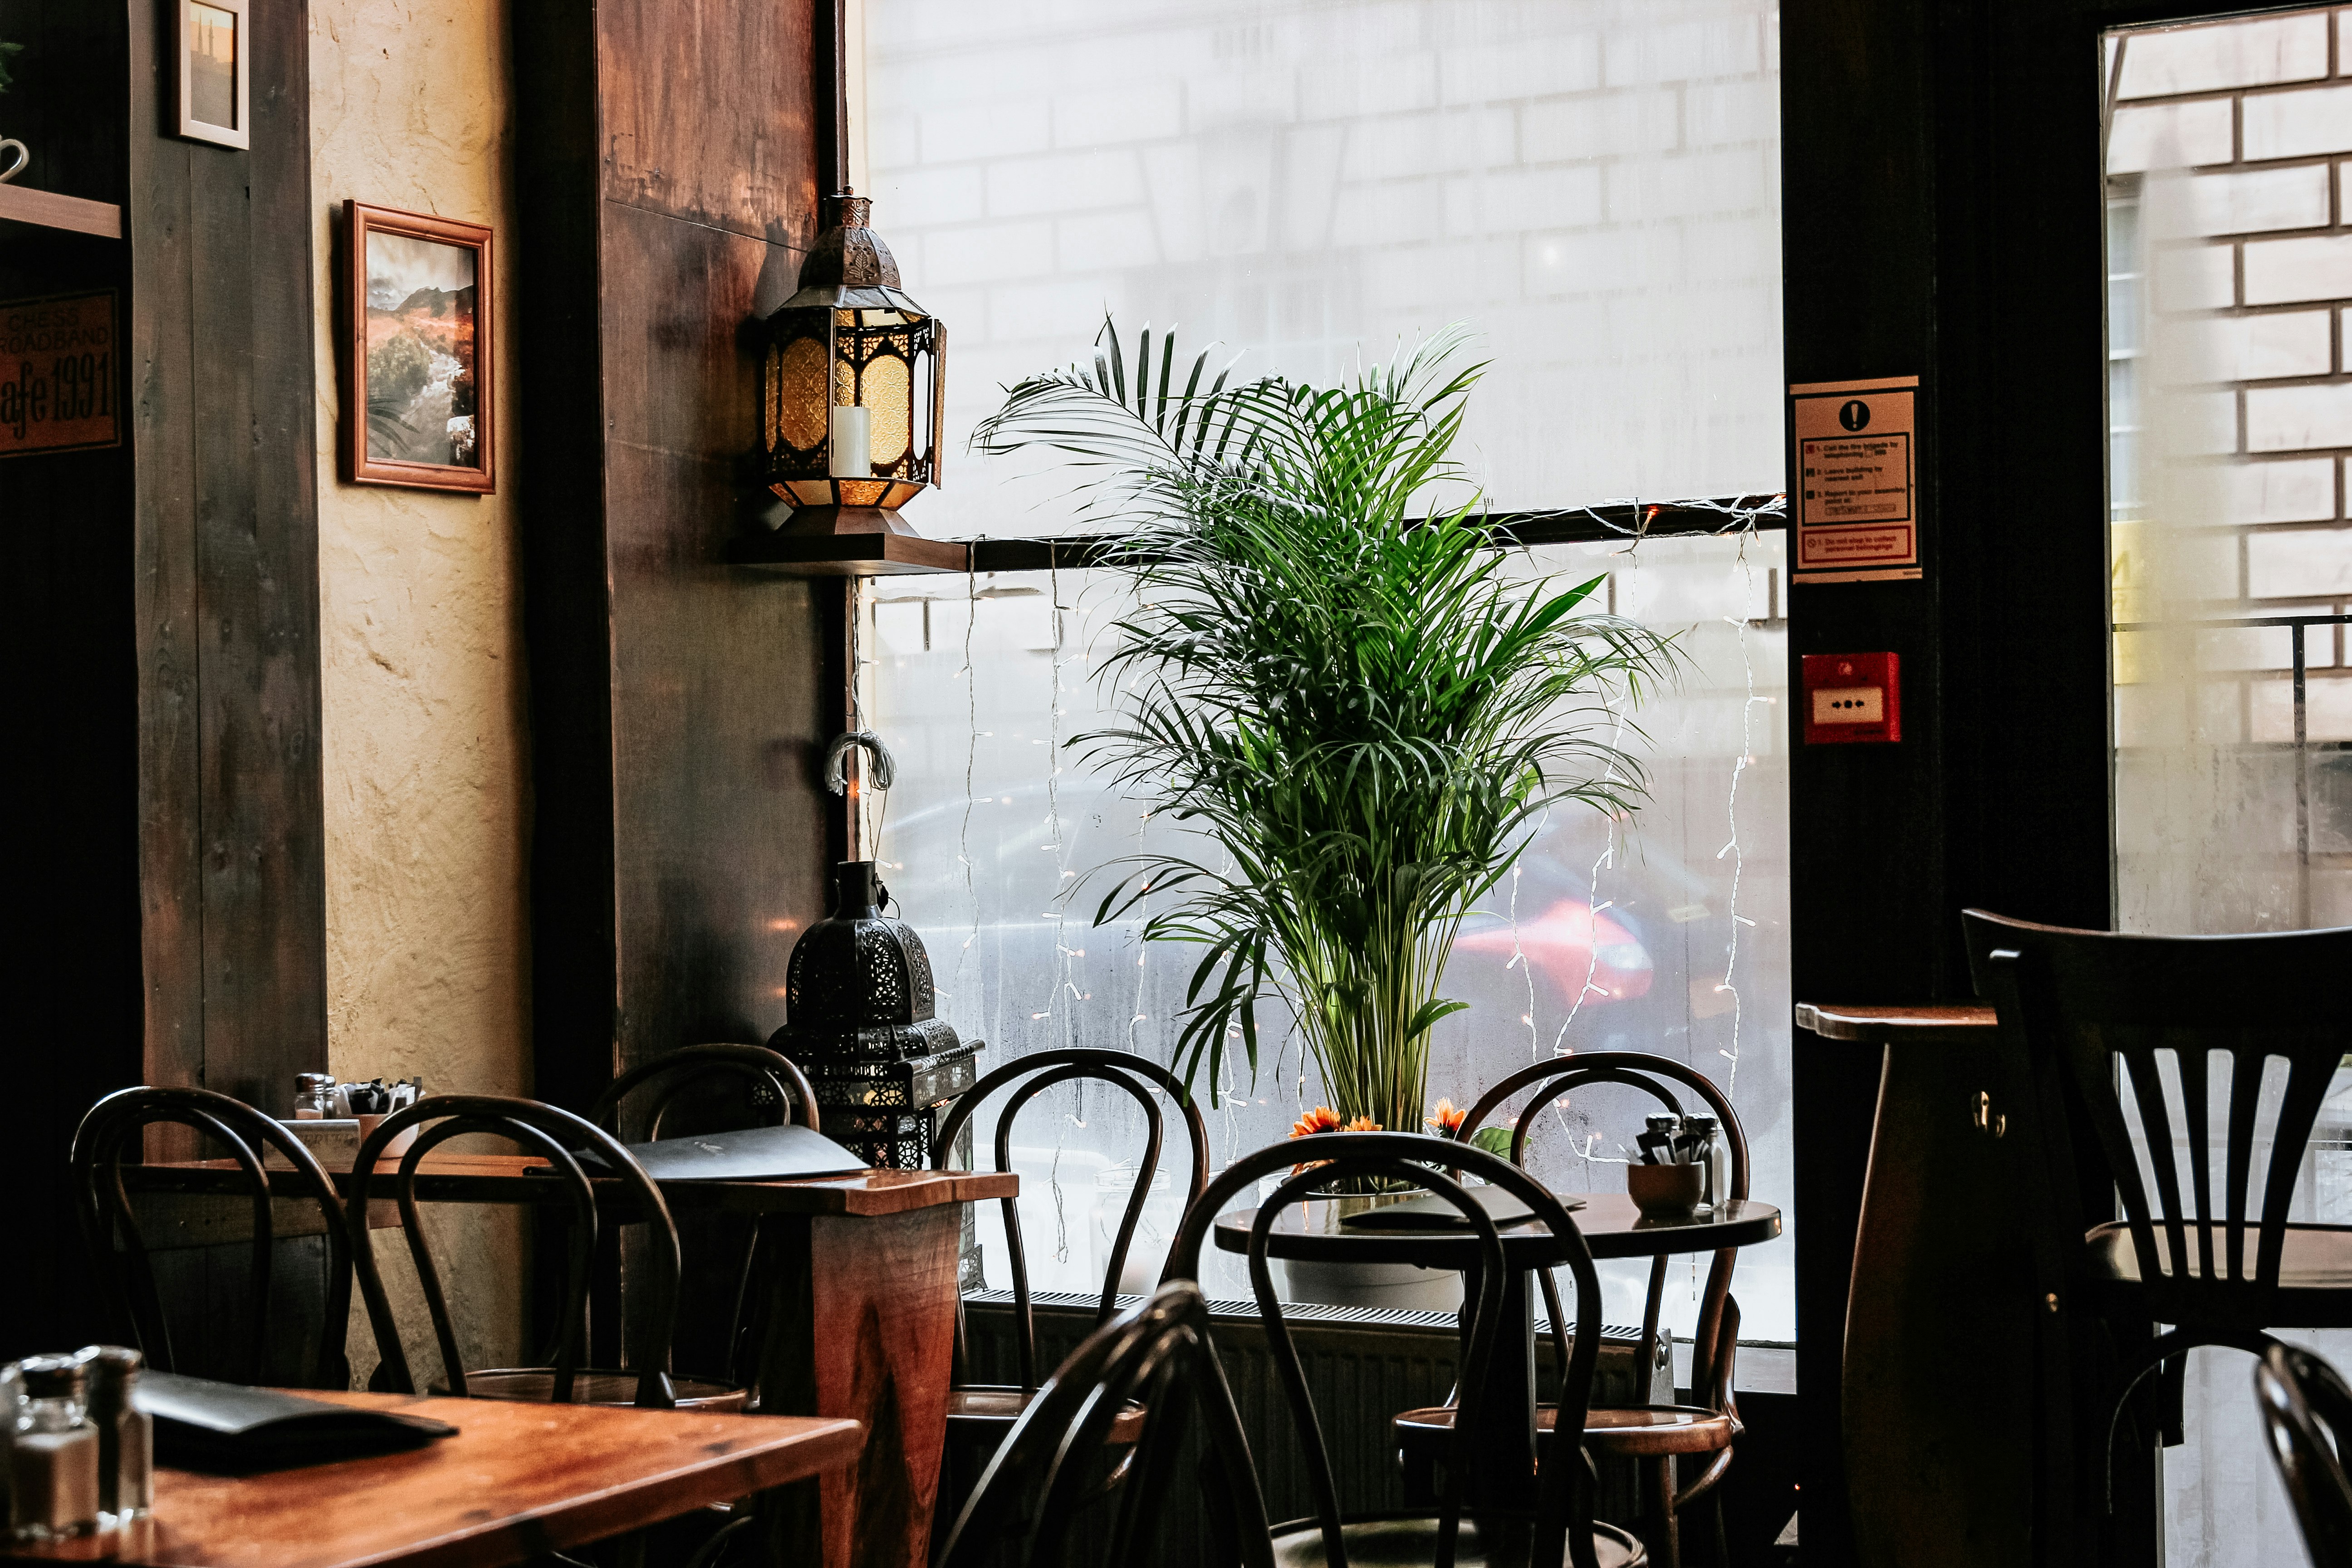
(1707,1153)
(126,1435)
(53,1452)
(314,1096)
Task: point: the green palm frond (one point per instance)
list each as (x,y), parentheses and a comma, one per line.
(5,50)
(1333,681)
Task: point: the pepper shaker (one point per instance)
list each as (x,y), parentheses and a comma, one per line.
(126,1435)
(53,1452)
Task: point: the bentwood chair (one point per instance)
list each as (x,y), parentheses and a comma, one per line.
(1657,1437)
(1562,1529)
(112,1132)
(715,1088)
(554,1134)
(2307,1416)
(2192,1025)
(981,1415)
(1032,1506)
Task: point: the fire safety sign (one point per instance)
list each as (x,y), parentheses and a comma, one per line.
(1857,472)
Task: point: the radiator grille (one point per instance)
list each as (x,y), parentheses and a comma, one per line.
(1363,1366)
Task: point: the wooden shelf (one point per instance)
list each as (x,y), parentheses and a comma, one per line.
(50,210)
(850,554)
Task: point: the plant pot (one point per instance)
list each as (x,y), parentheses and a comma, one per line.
(1346,1283)
(1402,1285)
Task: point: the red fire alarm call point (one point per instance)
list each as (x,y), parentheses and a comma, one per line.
(1852,697)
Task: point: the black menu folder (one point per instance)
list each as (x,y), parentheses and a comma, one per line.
(201,1424)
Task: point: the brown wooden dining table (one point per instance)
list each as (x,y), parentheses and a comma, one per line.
(516,1481)
(863,1320)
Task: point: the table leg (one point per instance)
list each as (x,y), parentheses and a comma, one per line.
(1503,1444)
(863,1325)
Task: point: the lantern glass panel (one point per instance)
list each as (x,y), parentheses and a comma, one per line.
(796,396)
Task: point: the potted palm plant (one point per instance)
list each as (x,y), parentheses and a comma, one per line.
(1334,678)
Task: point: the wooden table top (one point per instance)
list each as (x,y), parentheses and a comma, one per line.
(1886,1025)
(1612,1227)
(516,1481)
(505,1179)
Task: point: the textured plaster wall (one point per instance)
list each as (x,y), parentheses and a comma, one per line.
(426,750)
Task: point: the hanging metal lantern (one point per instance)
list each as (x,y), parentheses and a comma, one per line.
(854,397)
(860,1018)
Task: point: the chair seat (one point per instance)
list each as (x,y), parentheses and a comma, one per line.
(1640,1431)
(1410,1541)
(993,1409)
(535,1386)
(2314,1257)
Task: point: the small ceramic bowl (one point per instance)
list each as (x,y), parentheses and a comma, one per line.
(1664,1192)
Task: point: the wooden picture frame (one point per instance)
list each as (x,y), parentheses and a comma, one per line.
(418,370)
(214,42)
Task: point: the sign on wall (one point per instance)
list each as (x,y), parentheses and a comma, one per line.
(1857,472)
(60,374)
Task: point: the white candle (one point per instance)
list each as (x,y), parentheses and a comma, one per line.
(849,437)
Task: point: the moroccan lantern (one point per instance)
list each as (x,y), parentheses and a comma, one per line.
(853,391)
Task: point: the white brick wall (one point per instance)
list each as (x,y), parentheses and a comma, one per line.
(2258,294)
(1593,185)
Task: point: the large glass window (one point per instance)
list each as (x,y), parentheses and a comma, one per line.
(1590,186)
(2230,413)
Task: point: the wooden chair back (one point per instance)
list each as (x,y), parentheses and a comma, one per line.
(1711,1347)
(1156,1355)
(112,1132)
(774,1084)
(1043,1070)
(2159,1019)
(2307,1416)
(1564,1480)
(553,1134)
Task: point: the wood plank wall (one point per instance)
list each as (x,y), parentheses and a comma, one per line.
(669,182)
(159,603)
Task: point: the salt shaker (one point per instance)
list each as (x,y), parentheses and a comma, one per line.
(53,1452)
(1713,1157)
(126,1435)
(314,1096)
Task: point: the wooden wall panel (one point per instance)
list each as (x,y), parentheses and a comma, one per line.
(708,113)
(678,726)
(231,835)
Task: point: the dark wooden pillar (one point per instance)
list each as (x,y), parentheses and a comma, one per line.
(669,174)
(165,883)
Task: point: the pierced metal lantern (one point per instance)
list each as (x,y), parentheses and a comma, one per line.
(854,391)
(860,1019)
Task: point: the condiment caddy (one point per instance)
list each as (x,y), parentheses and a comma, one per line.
(334,1119)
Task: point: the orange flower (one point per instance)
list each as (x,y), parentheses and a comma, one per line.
(1362,1124)
(1322,1119)
(1445,1120)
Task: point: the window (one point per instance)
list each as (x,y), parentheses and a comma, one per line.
(1591,187)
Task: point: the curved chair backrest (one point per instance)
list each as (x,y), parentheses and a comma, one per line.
(1121,1070)
(112,1129)
(1156,1355)
(1564,1491)
(2307,1416)
(2096,1002)
(772,1077)
(1654,1075)
(553,1133)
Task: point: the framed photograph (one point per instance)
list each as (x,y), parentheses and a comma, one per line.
(419,387)
(216,72)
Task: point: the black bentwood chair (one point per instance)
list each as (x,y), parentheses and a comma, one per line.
(715,1088)
(1655,1435)
(1154,1358)
(2208,1251)
(1563,1528)
(553,1133)
(118,1252)
(2307,1415)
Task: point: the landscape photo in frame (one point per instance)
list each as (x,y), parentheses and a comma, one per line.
(418,395)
